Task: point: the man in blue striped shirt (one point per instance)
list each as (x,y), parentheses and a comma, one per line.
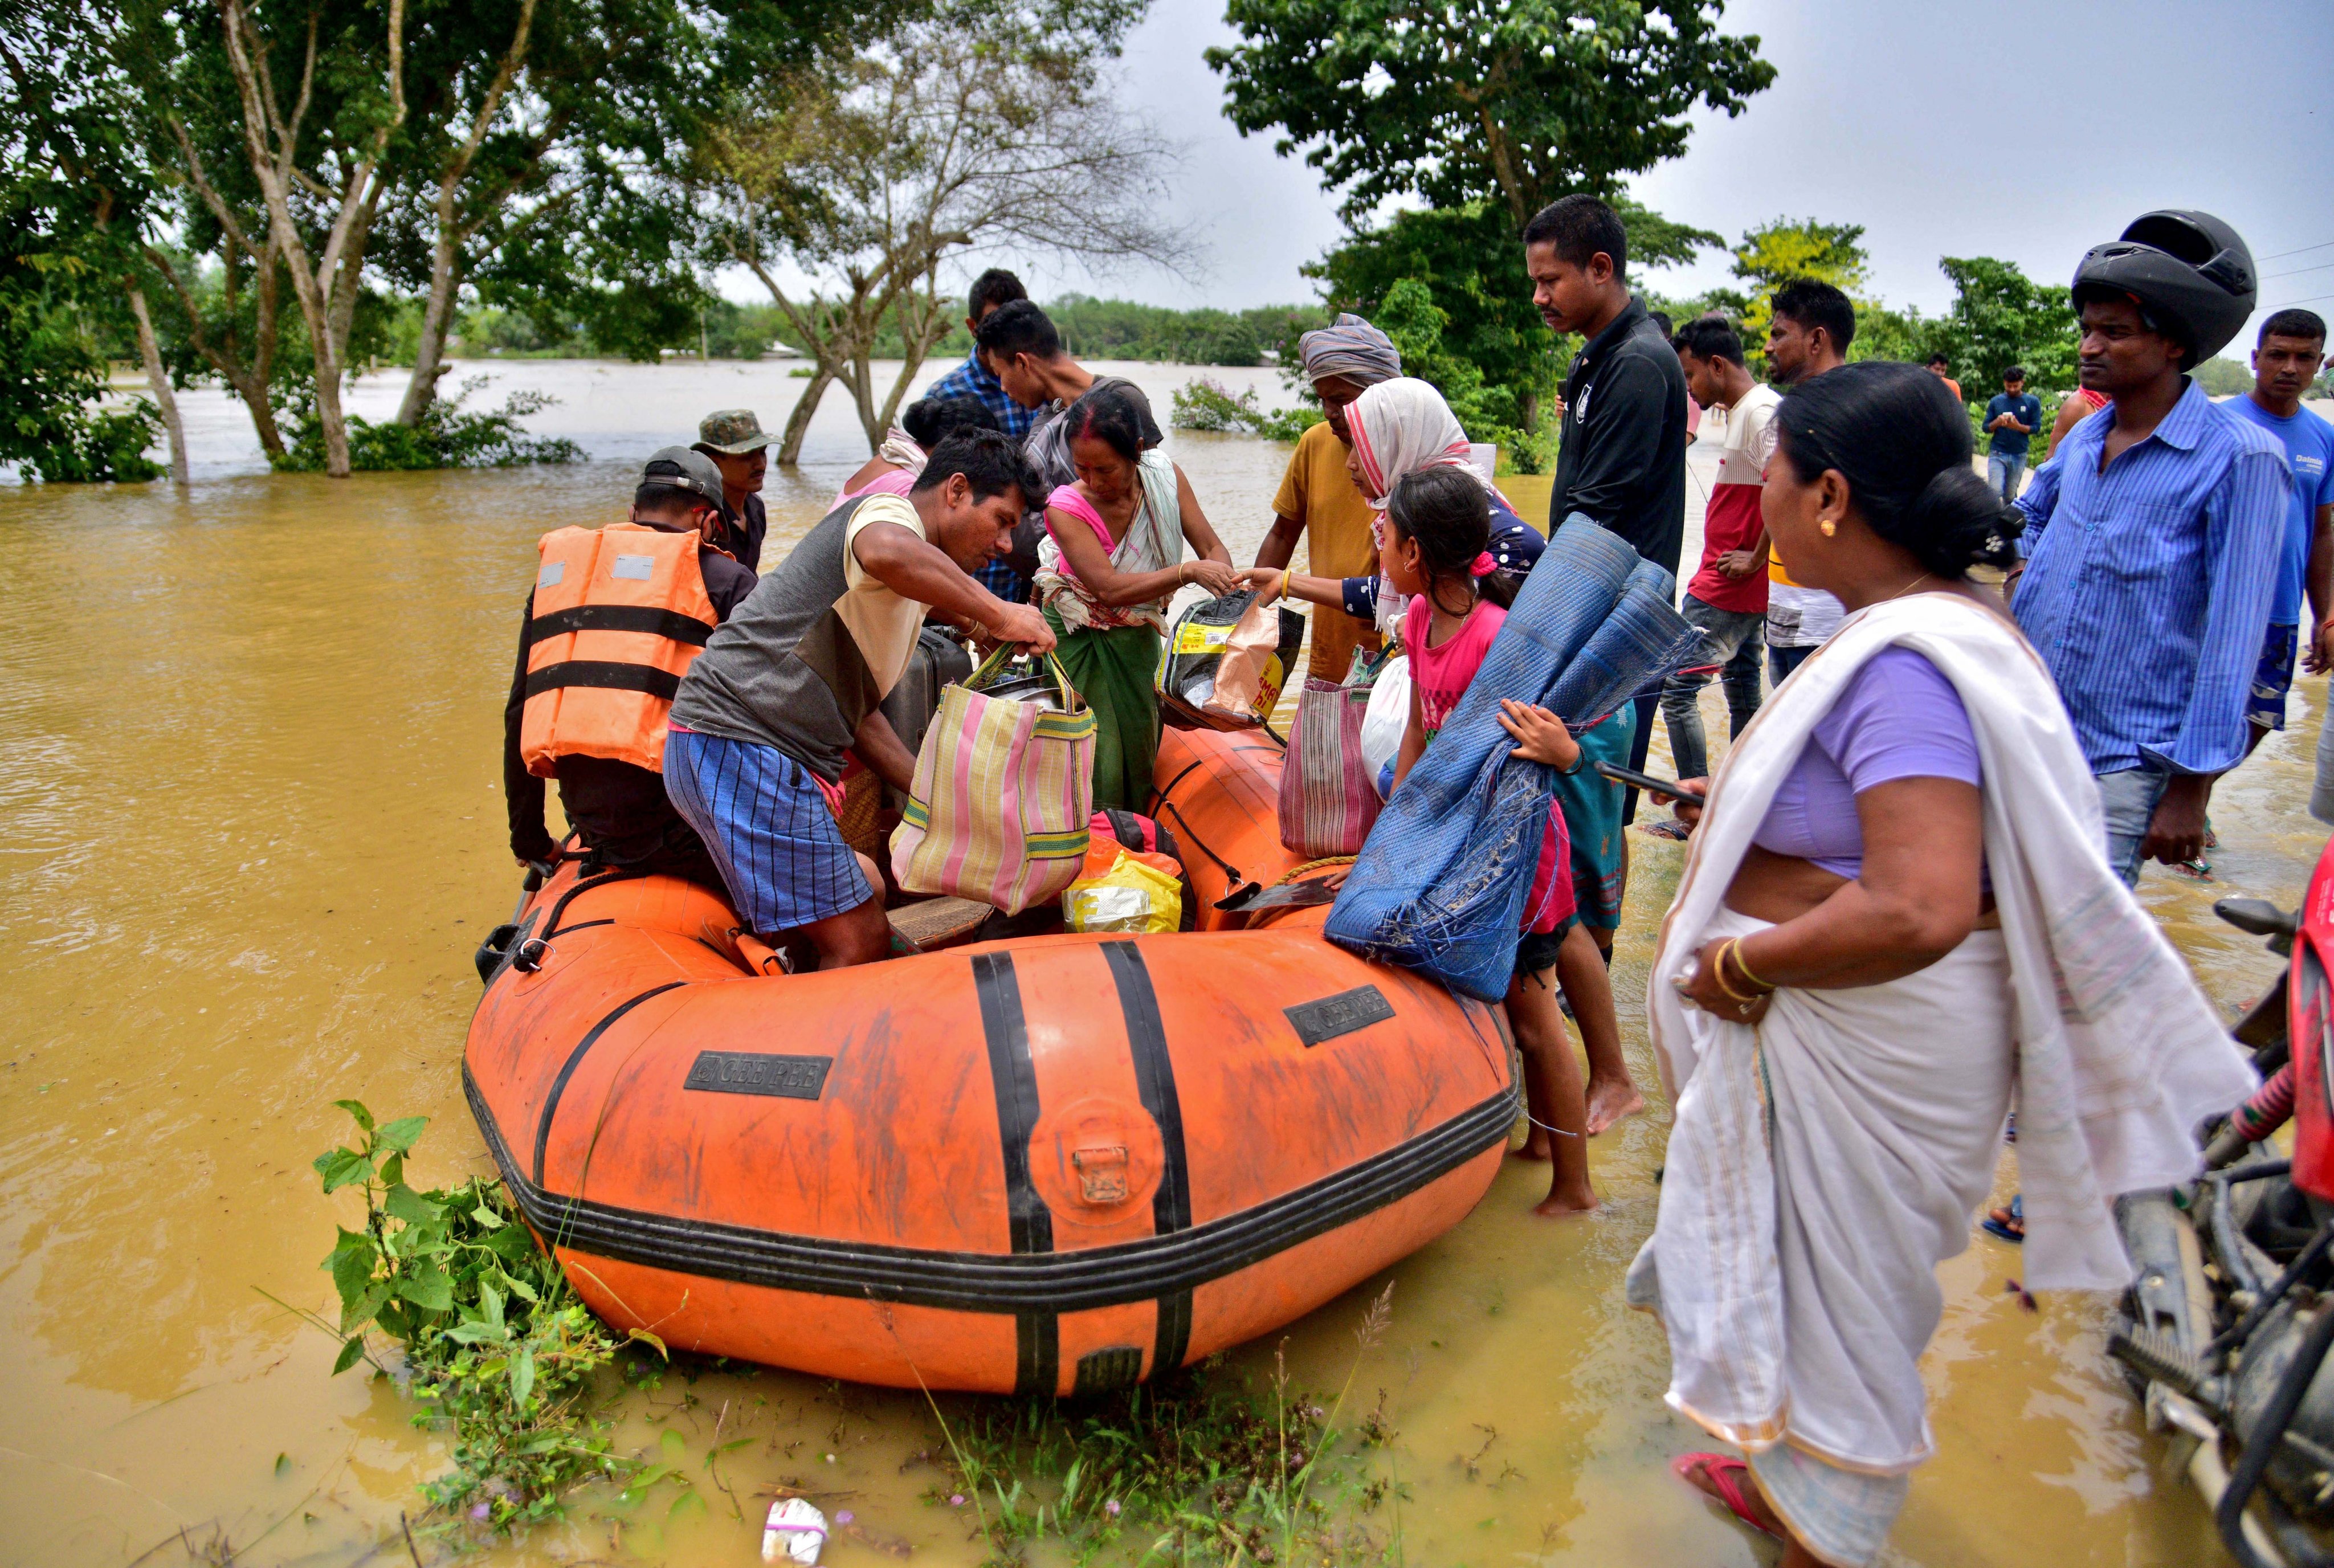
(2153,541)
(973,378)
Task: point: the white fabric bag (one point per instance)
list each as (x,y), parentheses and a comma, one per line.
(1388,716)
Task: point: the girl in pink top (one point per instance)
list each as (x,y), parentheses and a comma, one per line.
(1439,526)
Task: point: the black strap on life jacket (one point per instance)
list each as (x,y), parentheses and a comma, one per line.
(657,683)
(670,623)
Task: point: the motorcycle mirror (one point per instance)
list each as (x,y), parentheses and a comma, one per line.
(2256,917)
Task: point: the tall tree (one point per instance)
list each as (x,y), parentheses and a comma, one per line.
(73,195)
(538,131)
(974,124)
(319,97)
(1512,101)
(1782,249)
(1470,259)
(2002,318)
(222,285)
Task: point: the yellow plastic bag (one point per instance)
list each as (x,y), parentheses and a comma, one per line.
(1130,896)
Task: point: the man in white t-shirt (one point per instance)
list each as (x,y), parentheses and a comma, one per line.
(1813,325)
(1727,598)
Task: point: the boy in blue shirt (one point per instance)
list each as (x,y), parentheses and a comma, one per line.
(2012,417)
(2286,360)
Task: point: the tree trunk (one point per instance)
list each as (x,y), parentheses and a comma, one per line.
(254,393)
(159,382)
(437,317)
(798,422)
(326,286)
(921,324)
(445,254)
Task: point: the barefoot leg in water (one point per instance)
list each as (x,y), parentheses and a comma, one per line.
(1580,969)
(1552,1092)
(1746,1485)
(1537,1118)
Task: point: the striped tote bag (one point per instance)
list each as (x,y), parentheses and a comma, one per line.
(1003,790)
(1327,802)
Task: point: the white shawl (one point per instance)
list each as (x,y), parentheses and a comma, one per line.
(2118,1055)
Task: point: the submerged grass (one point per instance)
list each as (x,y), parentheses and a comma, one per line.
(1200,1468)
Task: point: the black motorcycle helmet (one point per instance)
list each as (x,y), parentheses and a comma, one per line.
(2189,272)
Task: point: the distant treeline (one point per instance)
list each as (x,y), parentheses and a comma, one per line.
(1091,329)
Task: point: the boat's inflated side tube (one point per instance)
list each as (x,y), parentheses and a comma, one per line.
(1051,1165)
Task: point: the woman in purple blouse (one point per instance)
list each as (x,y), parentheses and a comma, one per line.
(1844,1016)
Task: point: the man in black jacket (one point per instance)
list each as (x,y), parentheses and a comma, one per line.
(1623,460)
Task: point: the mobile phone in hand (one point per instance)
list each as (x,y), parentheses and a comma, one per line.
(1648,783)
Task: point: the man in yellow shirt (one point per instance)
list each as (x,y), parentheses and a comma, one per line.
(1317,498)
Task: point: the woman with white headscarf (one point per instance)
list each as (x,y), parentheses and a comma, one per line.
(1392,429)
(1403,426)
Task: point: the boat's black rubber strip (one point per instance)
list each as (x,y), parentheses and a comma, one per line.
(607,876)
(641,618)
(607,675)
(1037,1336)
(1154,1082)
(1047,1283)
(576,1060)
(1160,793)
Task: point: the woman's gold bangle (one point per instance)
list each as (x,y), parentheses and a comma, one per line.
(1718,971)
(1745,968)
(1283,581)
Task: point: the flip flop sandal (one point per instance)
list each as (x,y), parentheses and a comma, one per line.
(2008,1224)
(1665,828)
(1721,1469)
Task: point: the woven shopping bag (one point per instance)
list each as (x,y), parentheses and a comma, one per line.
(1327,798)
(1002,792)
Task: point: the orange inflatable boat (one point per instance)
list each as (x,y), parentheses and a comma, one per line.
(1050,1165)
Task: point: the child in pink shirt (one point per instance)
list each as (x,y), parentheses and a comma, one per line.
(1438,529)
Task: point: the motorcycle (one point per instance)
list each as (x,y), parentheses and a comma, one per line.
(2225,1330)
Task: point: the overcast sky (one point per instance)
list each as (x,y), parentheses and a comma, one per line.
(1945,127)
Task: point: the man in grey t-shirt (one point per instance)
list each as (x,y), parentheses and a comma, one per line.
(797,675)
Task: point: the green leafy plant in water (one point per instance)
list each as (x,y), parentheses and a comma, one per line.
(494,1341)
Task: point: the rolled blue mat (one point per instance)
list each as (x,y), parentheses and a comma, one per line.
(1639,643)
(1441,883)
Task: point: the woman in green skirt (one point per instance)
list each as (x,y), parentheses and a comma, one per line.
(1112,556)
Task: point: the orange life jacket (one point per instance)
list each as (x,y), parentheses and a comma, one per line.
(620,613)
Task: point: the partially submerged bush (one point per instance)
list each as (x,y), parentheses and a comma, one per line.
(1208,404)
(444,437)
(95,447)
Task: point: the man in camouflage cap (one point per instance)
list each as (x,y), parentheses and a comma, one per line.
(734,438)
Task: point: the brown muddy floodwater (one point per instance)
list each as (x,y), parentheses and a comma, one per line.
(253,827)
